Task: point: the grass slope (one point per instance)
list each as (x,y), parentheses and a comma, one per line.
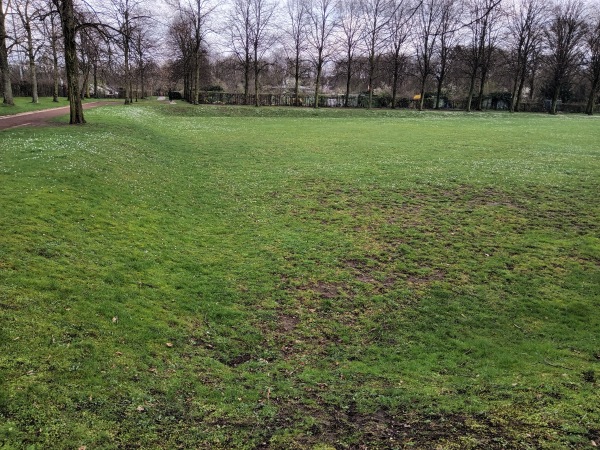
(211,277)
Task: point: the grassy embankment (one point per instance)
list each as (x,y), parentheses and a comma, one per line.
(233,277)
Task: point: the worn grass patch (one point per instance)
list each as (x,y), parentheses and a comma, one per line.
(211,277)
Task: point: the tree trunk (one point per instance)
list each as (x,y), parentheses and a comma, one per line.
(471,90)
(143,84)
(4,67)
(438,93)
(126,60)
(95,79)
(297,79)
(246,77)
(422,92)
(554,105)
(256,73)
(55,74)
(32,67)
(318,81)
(197,80)
(348,79)
(395,78)
(67,17)
(371,74)
(481,89)
(589,110)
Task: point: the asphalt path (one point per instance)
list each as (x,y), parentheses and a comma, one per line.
(43,117)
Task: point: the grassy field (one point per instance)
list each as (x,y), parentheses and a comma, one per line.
(175,276)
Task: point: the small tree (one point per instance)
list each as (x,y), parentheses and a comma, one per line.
(262,38)
(564,36)
(322,27)
(592,41)
(525,30)
(351,30)
(297,14)
(29,15)
(240,39)
(428,27)
(399,28)
(449,25)
(376,15)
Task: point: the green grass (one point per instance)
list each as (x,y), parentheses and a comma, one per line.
(210,277)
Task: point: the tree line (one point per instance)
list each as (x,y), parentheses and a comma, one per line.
(427,53)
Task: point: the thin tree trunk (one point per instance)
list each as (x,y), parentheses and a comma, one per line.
(471,90)
(394,87)
(95,79)
(554,105)
(297,79)
(592,97)
(246,78)
(32,67)
(197,80)
(256,73)
(438,93)
(55,76)
(371,76)
(348,79)
(4,67)
(318,81)
(143,83)
(519,93)
(481,88)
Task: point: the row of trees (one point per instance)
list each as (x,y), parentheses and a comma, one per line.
(83,45)
(435,44)
(459,49)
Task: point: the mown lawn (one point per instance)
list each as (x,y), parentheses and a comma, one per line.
(175,276)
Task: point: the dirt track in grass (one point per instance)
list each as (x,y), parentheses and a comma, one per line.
(39,118)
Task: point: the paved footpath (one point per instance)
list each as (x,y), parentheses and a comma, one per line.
(37,118)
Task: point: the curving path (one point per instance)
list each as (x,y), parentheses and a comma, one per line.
(37,118)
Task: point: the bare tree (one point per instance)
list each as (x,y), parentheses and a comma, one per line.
(489,47)
(4,67)
(143,44)
(592,41)
(351,32)
(29,13)
(240,28)
(262,38)
(479,50)
(198,14)
(449,25)
(322,27)
(297,14)
(399,31)
(427,33)
(180,40)
(376,15)
(51,30)
(525,31)
(127,14)
(564,35)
